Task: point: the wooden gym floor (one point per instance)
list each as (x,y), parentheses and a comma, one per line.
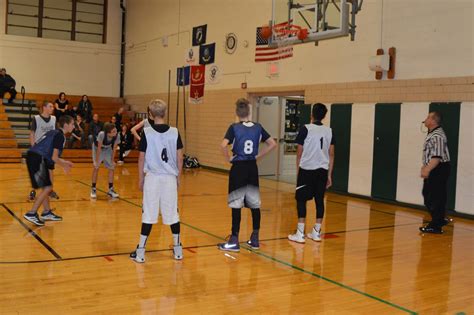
(372,260)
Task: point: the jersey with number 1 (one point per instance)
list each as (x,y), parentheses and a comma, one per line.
(161,151)
(245,138)
(316,144)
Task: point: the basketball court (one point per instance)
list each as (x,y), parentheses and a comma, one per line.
(372,258)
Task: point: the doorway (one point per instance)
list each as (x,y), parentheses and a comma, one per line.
(281,115)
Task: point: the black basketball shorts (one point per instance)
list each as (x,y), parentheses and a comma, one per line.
(38,170)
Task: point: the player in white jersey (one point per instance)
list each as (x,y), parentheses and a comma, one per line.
(314,160)
(159,167)
(40,125)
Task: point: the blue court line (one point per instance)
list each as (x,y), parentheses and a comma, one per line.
(262,254)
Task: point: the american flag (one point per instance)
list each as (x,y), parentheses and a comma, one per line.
(265,53)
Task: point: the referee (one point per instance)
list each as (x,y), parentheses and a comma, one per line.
(435,173)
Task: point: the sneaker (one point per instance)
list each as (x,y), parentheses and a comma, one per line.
(34,218)
(120,162)
(232,245)
(32,195)
(112,193)
(314,235)
(298,237)
(178,252)
(253,241)
(138,255)
(54,195)
(430,229)
(447,221)
(51,216)
(94,193)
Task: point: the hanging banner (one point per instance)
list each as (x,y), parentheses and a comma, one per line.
(196,92)
(190,57)
(213,75)
(199,35)
(182,76)
(207,54)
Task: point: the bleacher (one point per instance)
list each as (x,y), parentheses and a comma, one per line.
(15,124)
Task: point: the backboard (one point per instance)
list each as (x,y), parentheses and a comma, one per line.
(324,19)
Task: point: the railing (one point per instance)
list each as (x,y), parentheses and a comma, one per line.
(140,116)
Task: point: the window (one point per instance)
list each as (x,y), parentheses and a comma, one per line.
(77,20)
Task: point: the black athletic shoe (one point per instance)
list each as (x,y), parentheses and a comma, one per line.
(253,241)
(34,218)
(50,216)
(430,229)
(54,195)
(447,220)
(32,195)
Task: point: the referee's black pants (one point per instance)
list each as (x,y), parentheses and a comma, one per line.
(435,193)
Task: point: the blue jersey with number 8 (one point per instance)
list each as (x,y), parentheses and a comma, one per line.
(245,138)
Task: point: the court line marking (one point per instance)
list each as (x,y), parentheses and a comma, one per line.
(186,247)
(259,253)
(32,233)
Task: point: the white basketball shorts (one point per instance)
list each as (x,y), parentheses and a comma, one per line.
(160,196)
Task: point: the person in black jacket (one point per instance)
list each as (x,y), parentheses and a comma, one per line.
(7,84)
(85,108)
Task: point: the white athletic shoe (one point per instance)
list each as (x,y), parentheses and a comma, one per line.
(94,193)
(138,255)
(178,252)
(297,237)
(120,162)
(314,235)
(112,193)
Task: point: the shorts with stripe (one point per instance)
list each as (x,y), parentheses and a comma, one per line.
(244,188)
(38,170)
(160,196)
(311,184)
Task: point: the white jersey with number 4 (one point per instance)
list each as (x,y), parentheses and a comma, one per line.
(316,147)
(161,155)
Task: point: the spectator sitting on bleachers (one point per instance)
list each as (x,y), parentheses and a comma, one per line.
(94,128)
(74,112)
(7,84)
(61,105)
(125,145)
(85,108)
(78,134)
(113,120)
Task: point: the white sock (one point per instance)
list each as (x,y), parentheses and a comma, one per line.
(176,241)
(143,239)
(300,228)
(317,227)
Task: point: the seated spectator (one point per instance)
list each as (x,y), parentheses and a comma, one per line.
(85,108)
(125,145)
(118,118)
(61,105)
(74,112)
(78,134)
(95,127)
(113,120)
(7,84)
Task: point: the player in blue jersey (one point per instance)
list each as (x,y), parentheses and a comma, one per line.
(45,152)
(245,137)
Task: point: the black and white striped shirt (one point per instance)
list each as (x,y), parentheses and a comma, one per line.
(436,146)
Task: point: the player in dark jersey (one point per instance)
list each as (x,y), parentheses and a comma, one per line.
(46,151)
(245,137)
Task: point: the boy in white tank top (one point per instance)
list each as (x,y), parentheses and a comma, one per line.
(314,160)
(40,125)
(159,166)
